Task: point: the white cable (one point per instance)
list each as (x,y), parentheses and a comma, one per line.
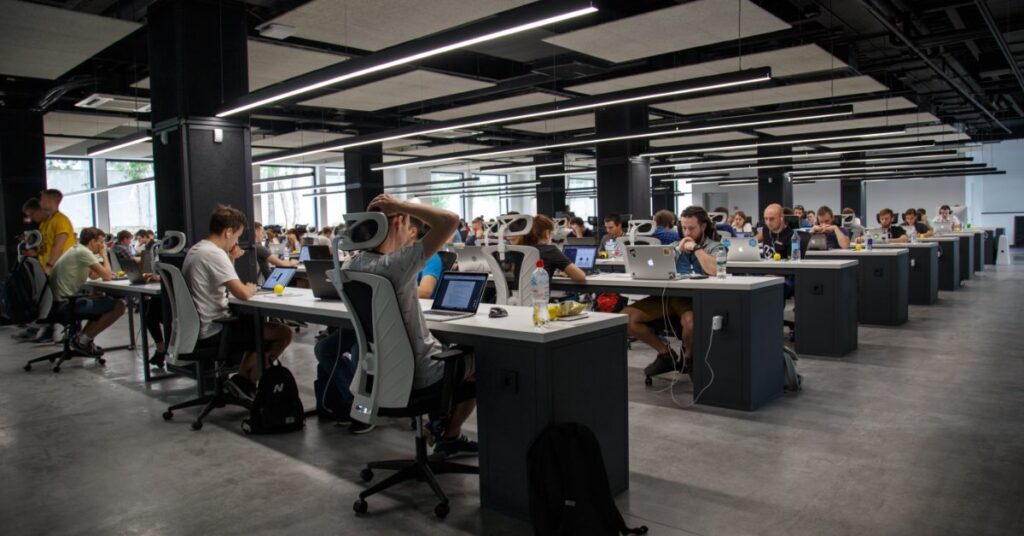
(330,379)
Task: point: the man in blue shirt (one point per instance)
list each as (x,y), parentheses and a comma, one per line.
(664,221)
(835,236)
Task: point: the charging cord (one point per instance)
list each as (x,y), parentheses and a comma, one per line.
(330,378)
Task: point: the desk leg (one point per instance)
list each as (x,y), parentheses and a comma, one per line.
(145,340)
(258,327)
(131,322)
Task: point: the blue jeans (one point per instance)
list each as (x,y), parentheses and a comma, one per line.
(334,365)
(89,308)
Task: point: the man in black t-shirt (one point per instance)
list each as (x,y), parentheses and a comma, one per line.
(774,235)
(912,221)
(886,218)
(264,257)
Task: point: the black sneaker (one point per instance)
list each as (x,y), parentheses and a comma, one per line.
(359,428)
(240,387)
(158,360)
(45,334)
(666,362)
(88,350)
(26,335)
(461,445)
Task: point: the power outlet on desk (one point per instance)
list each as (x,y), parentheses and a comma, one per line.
(509,381)
(818,289)
(879,272)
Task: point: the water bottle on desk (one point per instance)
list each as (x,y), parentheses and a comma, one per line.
(720,260)
(871,243)
(794,247)
(609,248)
(539,292)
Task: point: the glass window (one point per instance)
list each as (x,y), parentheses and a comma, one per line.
(336,206)
(684,195)
(488,206)
(70,176)
(286,206)
(132,207)
(448,200)
(581,202)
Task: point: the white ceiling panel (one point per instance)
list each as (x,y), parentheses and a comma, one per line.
(681,27)
(39,41)
(776,95)
(139,150)
(408,87)
(938,137)
(784,62)
(443,149)
(299,138)
(557,124)
(882,105)
(377,24)
(508,103)
(270,64)
(56,145)
(85,125)
(869,122)
(696,140)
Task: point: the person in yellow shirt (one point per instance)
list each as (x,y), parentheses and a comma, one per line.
(58,233)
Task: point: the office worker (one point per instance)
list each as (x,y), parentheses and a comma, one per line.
(922,216)
(209,272)
(664,227)
(946,216)
(476,231)
(265,259)
(399,260)
(775,236)
(910,216)
(740,223)
(886,219)
(579,228)
(426,280)
(612,228)
(540,235)
(835,236)
(799,212)
(58,233)
(696,254)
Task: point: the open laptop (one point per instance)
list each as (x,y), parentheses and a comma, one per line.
(651,262)
(878,235)
(942,227)
(458,296)
(581,241)
(281,275)
(817,242)
(583,257)
(471,259)
(131,270)
(744,249)
(319,283)
(314,253)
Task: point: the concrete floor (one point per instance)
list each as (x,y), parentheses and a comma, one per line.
(921,431)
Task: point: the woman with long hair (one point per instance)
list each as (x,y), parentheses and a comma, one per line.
(540,237)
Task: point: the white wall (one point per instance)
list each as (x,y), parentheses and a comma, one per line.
(899,195)
(817,194)
(994,200)
(740,197)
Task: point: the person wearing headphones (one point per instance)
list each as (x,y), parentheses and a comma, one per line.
(946,216)
(886,217)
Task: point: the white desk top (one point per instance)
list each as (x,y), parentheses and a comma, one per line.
(887,252)
(964,233)
(943,238)
(929,245)
(123,285)
(610,262)
(626,281)
(518,325)
(803,264)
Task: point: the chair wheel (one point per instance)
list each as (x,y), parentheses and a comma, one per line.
(102,362)
(56,369)
(648,381)
(197,425)
(441,510)
(27,368)
(366,475)
(359,506)
(168,415)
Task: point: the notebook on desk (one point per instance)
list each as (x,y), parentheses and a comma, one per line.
(458,296)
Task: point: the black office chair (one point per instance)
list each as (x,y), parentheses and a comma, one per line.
(184,357)
(382,387)
(448,259)
(63,312)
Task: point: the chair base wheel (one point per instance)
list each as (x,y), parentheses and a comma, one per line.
(648,381)
(441,510)
(102,362)
(56,369)
(197,425)
(168,415)
(359,506)
(366,475)
(27,368)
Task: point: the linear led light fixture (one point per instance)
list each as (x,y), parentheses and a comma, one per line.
(523,167)
(691,179)
(911,165)
(895,162)
(403,54)
(429,183)
(723,124)
(827,157)
(120,143)
(325,194)
(297,188)
(734,184)
(466,189)
(785,140)
(590,171)
(655,92)
(905,176)
(111,187)
(807,154)
(957,169)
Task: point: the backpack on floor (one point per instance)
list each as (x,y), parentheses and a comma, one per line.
(568,485)
(792,380)
(276,408)
(17,304)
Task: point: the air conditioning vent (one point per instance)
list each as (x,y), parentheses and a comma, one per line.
(114,103)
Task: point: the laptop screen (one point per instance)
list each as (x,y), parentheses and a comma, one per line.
(460,291)
(280,276)
(582,256)
(304,254)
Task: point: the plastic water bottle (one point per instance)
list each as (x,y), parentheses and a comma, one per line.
(539,292)
(720,260)
(871,243)
(794,247)
(609,248)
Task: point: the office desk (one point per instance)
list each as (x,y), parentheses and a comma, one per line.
(526,380)
(992,235)
(825,301)
(611,266)
(744,354)
(966,255)
(979,249)
(924,271)
(123,288)
(949,261)
(883,282)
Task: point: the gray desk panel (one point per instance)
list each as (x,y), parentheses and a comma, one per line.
(924,272)
(883,284)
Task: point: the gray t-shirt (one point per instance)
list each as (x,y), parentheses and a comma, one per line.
(401,268)
(207,269)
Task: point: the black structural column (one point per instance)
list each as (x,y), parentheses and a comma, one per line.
(551,190)
(663,196)
(362,184)
(198,62)
(772,184)
(852,191)
(22,175)
(623,179)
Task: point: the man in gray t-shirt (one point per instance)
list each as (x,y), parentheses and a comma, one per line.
(400,258)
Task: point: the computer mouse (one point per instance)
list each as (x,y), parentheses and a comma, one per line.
(497,312)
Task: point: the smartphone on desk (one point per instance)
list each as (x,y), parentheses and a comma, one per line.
(696,276)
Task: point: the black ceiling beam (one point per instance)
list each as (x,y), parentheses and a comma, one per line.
(1000,41)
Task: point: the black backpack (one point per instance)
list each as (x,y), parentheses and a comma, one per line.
(569,490)
(276,408)
(17,304)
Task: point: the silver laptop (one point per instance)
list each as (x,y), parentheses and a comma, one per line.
(458,296)
(471,259)
(651,262)
(743,249)
(878,235)
(942,227)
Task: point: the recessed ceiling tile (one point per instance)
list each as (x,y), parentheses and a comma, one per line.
(882,105)
(54,145)
(405,88)
(85,125)
(497,105)
(377,24)
(681,27)
(697,140)
(784,62)
(837,126)
(807,91)
(40,41)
